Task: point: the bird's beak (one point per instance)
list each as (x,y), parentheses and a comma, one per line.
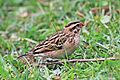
(81,24)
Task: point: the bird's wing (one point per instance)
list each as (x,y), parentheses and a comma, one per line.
(51,44)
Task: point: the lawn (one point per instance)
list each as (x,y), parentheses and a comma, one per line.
(24,23)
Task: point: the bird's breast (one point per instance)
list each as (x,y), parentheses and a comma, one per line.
(71,44)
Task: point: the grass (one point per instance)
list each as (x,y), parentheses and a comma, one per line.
(24,23)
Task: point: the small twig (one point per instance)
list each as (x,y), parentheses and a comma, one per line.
(30,40)
(81,60)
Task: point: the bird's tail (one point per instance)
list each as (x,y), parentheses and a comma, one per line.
(26,58)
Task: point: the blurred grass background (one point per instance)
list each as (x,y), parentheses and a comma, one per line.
(24,23)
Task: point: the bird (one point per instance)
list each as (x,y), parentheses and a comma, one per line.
(62,43)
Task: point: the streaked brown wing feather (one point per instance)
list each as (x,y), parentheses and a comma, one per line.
(53,43)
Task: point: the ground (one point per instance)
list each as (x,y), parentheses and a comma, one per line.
(24,23)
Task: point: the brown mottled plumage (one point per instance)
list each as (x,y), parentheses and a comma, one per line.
(62,43)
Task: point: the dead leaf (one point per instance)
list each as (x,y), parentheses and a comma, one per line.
(57,73)
(118,11)
(97,9)
(86,23)
(57,78)
(14,37)
(80,14)
(105,19)
(22,12)
(105,8)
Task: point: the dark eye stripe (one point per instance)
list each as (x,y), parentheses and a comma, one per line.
(78,24)
(74,27)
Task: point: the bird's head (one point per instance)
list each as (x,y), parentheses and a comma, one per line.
(74,27)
